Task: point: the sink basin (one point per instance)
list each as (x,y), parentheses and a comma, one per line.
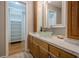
(45,33)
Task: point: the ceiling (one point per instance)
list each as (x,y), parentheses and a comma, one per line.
(55,3)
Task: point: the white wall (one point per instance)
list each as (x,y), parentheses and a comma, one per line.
(64,13)
(39,15)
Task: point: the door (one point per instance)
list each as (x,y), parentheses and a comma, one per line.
(73,19)
(16,17)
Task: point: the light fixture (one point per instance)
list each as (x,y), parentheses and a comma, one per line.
(16,3)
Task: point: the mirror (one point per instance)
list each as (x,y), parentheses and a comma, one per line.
(52,15)
(56,17)
(56,13)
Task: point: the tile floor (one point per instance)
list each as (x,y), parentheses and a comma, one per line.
(15,47)
(21,55)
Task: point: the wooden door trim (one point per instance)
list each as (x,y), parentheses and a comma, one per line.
(35,15)
(69,19)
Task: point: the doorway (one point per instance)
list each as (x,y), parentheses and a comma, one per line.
(16,17)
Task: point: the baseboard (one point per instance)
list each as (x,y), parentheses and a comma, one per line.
(27,50)
(15,42)
(3,57)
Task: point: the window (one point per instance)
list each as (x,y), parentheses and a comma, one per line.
(51,17)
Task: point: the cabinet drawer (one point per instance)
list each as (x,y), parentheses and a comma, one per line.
(35,40)
(43,44)
(43,53)
(35,49)
(40,43)
(29,42)
(53,51)
(64,54)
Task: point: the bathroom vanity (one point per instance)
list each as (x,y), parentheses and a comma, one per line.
(55,46)
(51,46)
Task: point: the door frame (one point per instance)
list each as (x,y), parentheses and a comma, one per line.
(7,27)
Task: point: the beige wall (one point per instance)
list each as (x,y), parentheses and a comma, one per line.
(30,16)
(2,30)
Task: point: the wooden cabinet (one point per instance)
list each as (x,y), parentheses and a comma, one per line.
(56,52)
(41,49)
(43,44)
(43,53)
(63,54)
(35,50)
(30,43)
(53,51)
(73,19)
(38,48)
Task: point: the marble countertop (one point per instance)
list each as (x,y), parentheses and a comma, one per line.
(63,44)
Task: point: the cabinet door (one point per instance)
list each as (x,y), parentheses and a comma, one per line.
(43,44)
(73,19)
(43,53)
(30,43)
(53,51)
(35,51)
(64,54)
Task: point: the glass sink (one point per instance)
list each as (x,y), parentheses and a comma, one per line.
(45,33)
